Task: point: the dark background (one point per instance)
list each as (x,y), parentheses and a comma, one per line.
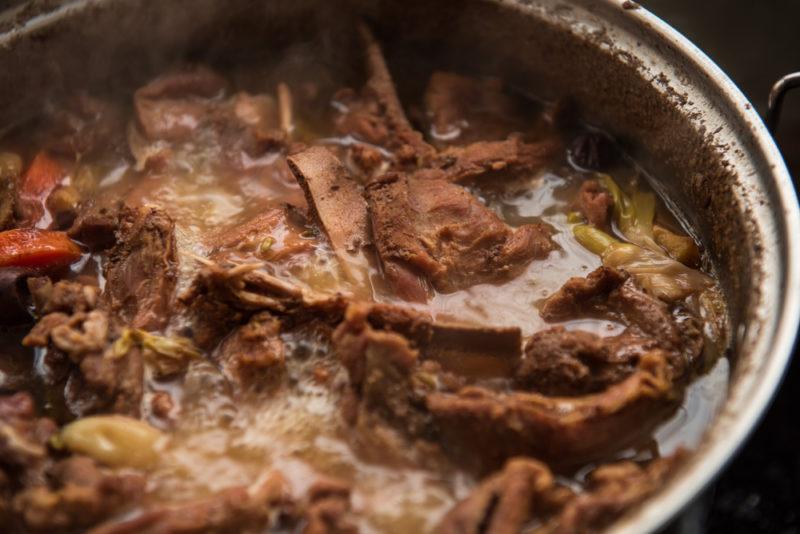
(755,42)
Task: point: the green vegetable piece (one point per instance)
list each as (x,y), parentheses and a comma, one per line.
(592,238)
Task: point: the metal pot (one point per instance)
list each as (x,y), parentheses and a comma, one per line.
(632,74)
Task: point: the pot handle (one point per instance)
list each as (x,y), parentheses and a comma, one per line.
(776,96)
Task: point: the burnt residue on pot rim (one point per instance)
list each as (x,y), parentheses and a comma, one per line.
(629,72)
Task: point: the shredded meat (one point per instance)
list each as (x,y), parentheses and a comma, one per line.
(141,271)
(562,362)
(328,508)
(78,494)
(506,501)
(613,489)
(433,230)
(595,203)
(84,125)
(253,354)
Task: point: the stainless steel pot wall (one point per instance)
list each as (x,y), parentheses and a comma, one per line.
(673,109)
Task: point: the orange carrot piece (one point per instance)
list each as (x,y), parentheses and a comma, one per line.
(39,249)
(43,175)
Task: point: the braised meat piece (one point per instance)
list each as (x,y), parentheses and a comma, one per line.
(595,203)
(462,109)
(191,106)
(567,430)
(262,506)
(334,198)
(76,327)
(430,230)
(328,509)
(376,115)
(253,355)
(506,501)
(613,489)
(78,494)
(507,158)
(141,270)
(84,125)
(613,294)
(380,365)
(96,226)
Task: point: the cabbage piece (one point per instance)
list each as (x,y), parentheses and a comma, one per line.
(633,214)
(659,274)
(679,247)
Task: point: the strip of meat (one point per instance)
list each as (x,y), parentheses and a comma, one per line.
(613,489)
(172,106)
(562,362)
(509,157)
(334,199)
(263,506)
(377,116)
(141,271)
(564,430)
(506,501)
(433,230)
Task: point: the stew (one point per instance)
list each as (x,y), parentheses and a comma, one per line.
(251,300)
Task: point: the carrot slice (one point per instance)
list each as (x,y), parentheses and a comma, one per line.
(24,247)
(42,176)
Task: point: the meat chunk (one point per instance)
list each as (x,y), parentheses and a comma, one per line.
(595,203)
(173,105)
(79,494)
(333,197)
(23,436)
(64,296)
(613,294)
(611,490)
(565,430)
(253,355)
(377,116)
(579,294)
(260,507)
(506,501)
(190,105)
(436,231)
(273,235)
(380,365)
(328,509)
(562,362)
(96,226)
(463,109)
(84,125)
(507,158)
(141,271)
(77,331)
